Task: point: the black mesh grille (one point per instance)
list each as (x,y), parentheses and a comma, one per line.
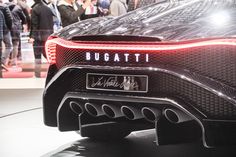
(217,62)
(203,100)
(164,84)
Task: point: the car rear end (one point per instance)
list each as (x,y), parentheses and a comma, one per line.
(179,78)
(186,86)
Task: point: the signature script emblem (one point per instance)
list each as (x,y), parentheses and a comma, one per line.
(127,83)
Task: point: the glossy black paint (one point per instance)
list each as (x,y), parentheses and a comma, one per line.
(168,21)
(198,81)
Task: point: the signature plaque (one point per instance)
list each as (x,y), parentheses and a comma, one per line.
(117,82)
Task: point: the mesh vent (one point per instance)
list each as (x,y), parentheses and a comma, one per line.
(203,100)
(217,62)
(166,84)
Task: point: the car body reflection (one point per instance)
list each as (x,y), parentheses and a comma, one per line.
(138,144)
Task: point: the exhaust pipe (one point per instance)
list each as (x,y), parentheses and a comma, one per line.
(112,111)
(94,109)
(76,107)
(131,113)
(151,114)
(176,115)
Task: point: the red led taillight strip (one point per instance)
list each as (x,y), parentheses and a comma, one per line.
(138,46)
(50,48)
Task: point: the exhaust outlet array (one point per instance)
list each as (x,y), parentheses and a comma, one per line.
(76,107)
(112,111)
(131,113)
(94,109)
(176,115)
(151,114)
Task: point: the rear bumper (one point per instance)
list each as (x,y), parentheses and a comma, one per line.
(210,104)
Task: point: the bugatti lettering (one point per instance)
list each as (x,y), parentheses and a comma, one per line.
(116,57)
(128,83)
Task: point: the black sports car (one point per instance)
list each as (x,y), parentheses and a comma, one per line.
(169,66)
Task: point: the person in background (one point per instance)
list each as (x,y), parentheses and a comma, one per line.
(57,25)
(41,28)
(91,11)
(71,11)
(118,7)
(103,6)
(6,34)
(26,10)
(18,20)
(135,4)
(2,28)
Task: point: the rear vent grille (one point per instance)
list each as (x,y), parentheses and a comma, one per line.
(161,83)
(217,62)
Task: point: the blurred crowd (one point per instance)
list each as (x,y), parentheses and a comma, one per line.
(45,17)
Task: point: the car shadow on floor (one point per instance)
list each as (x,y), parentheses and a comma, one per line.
(141,144)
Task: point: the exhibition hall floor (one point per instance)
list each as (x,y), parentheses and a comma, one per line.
(23,134)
